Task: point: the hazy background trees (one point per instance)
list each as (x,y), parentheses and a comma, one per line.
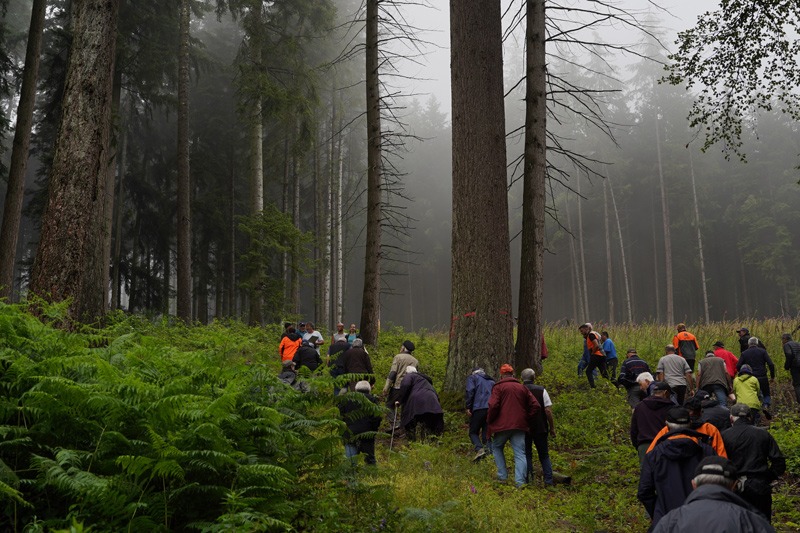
(307,246)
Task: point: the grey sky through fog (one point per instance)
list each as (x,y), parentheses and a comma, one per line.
(436,20)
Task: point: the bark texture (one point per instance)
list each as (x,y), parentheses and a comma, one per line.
(12,209)
(69,262)
(529,330)
(184,236)
(481,318)
(370,298)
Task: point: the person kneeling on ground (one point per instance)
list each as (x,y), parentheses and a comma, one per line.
(361,424)
(420,405)
(713,506)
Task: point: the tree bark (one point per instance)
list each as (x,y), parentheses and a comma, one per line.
(256,138)
(111,179)
(481,269)
(529,325)
(12,209)
(69,262)
(370,298)
(117,255)
(184,232)
(584,282)
(665,222)
(699,240)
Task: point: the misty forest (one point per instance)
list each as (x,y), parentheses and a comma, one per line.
(180,178)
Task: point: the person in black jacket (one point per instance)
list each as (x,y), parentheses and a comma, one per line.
(759,361)
(420,405)
(713,507)
(649,416)
(756,455)
(791,349)
(628,372)
(307,356)
(361,423)
(541,426)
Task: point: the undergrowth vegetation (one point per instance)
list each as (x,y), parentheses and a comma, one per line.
(155,426)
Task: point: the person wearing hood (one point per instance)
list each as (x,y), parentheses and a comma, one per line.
(713,506)
(649,416)
(667,471)
(421,405)
(713,412)
(748,391)
(397,371)
(290,342)
(476,400)
(356,361)
(307,356)
(361,425)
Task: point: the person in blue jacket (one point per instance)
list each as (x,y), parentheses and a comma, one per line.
(479,389)
(611,354)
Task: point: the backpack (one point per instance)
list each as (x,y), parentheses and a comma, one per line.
(794,349)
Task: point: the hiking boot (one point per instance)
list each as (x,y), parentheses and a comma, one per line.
(478,456)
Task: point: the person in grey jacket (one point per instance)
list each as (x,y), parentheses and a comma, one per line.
(713,506)
(476,400)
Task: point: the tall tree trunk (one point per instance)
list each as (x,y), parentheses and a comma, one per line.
(12,209)
(699,240)
(370,298)
(609,268)
(202,283)
(481,264)
(69,262)
(286,209)
(117,255)
(665,221)
(111,177)
(584,282)
(529,328)
(656,278)
(184,233)
(295,262)
(628,302)
(256,138)
(338,259)
(577,288)
(230,289)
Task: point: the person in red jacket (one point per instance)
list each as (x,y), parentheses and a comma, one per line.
(512,408)
(730,359)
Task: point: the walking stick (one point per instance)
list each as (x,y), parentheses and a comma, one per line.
(394,424)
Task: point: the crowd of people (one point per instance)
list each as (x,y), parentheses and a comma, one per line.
(686,426)
(694,423)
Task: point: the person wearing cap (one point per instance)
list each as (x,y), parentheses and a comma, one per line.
(747,391)
(541,426)
(667,471)
(649,416)
(631,369)
(757,457)
(791,350)
(308,356)
(401,361)
(340,335)
(512,407)
(744,339)
(674,369)
(713,377)
(712,412)
(597,358)
(611,354)
(728,357)
(476,401)
(713,506)
(759,361)
(709,432)
(290,342)
(685,344)
(421,405)
(361,415)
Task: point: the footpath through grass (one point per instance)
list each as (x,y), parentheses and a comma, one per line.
(154,426)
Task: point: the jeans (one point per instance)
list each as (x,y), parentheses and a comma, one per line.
(477,428)
(763,382)
(611,364)
(719,391)
(365,446)
(517,439)
(540,441)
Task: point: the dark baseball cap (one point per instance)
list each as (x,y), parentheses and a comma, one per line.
(740,409)
(742,330)
(719,343)
(717,466)
(678,415)
(661,385)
